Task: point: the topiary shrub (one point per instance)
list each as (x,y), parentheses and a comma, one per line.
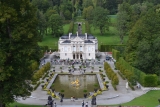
(114,86)
(115,80)
(151,80)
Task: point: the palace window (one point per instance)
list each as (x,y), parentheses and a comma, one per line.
(65,54)
(74,48)
(89,54)
(80,48)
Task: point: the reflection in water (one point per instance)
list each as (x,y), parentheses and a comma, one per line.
(74,85)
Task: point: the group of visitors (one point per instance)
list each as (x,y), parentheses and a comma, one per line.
(73,98)
(51,102)
(84,104)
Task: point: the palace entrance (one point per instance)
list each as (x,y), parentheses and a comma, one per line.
(73,56)
(81,56)
(77,56)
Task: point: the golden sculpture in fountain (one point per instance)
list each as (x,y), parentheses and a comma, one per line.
(76,83)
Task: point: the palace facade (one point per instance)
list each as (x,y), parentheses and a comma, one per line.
(77,46)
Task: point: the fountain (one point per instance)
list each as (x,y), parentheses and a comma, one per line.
(74,85)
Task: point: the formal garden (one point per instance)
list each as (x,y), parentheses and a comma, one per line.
(125,70)
(127,32)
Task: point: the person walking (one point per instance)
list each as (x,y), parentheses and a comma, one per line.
(86,104)
(55,105)
(83,103)
(61,101)
(71,98)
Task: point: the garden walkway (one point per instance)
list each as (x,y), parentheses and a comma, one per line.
(39,97)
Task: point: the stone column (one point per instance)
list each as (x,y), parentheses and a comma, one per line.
(78,56)
(75,55)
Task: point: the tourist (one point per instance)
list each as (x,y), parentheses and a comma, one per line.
(62,95)
(55,105)
(83,103)
(85,95)
(61,100)
(71,98)
(86,104)
(107,86)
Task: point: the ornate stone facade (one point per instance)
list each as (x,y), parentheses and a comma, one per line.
(77,46)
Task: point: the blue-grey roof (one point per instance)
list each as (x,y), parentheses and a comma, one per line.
(88,41)
(65,37)
(66,41)
(89,36)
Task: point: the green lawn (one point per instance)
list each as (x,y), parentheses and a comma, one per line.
(113,18)
(23,105)
(148,100)
(52,42)
(65,28)
(110,37)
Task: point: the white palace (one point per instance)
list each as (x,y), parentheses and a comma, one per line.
(77,46)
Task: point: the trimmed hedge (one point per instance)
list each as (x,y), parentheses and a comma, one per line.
(151,80)
(133,74)
(115,54)
(45,75)
(36,86)
(114,86)
(111,74)
(37,75)
(121,75)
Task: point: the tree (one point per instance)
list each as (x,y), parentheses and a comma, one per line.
(67,15)
(42,24)
(56,25)
(48,13)
(101,19)
(18,43)
(111,5)
(94,3)
(87,13)
(123,20)
(42,5)
(142,49)
(87,3)
(122,27)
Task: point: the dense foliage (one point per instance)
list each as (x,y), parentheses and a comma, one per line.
(142,49)
(18,48)
(134,75)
